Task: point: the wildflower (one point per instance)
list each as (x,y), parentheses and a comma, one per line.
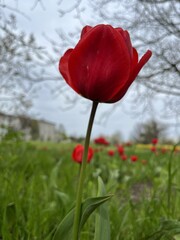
(101,141)
(134,158)
(154,141)
(120,150)
(153,149)
(111,153)
(163,150)
(77,153)
(123,157)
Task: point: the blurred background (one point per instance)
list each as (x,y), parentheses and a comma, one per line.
(35,99)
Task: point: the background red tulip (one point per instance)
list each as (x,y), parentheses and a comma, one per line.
(77,153)
(101,141)
(111,152)
(103,64)
(120,150)
(153,149)
(134,158)
(123,157)
(163,150)
(154,141)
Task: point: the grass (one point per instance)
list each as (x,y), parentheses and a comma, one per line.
(38,187)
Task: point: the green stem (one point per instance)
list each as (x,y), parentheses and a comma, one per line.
(170,181)
(82,174)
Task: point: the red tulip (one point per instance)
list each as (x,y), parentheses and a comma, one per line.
(120,150)
(134,158)
(163,150)
(77,153)
(103,64)
(124,157)
(111,153)
(101,141)
(154,141)
(153,149)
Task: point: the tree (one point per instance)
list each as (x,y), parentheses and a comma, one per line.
(161,32)
(145,132)
(24,64)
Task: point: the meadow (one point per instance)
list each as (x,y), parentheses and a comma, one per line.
(39,182)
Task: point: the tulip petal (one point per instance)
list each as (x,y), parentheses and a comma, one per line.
(64,69)
(141,63)
(127,39)
(102,60)
(85,30)
(133,75)
(135,58)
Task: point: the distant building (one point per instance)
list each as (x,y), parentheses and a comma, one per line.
(32,128)
(47,131)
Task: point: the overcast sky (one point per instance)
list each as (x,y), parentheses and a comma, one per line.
(45,19)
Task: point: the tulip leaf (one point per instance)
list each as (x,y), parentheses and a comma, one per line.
(90,205)
(102,224)
(64,230)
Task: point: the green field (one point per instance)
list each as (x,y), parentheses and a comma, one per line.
(39,181)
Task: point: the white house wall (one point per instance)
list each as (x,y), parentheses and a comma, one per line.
(47,131)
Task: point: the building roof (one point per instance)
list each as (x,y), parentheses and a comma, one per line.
(25,117)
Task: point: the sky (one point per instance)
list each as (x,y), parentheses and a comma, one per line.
(44,19)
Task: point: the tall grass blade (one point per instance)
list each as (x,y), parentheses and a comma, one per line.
(102,224)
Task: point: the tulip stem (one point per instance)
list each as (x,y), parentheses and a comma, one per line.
(76,232)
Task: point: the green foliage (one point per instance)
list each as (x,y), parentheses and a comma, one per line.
(167,231)
(102,224)
(38,187)
(10,134)
(64,230)
(33,125)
